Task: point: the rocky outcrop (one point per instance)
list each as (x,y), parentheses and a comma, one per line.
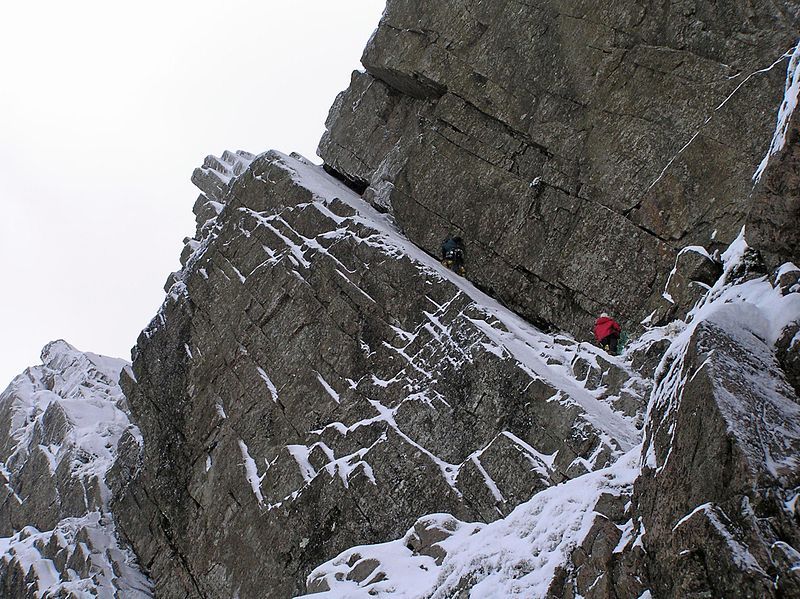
(315,382)
(59,427)
(721,472)
(322,408)
(576,146)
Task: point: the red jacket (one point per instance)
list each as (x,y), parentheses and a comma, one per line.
(604,327)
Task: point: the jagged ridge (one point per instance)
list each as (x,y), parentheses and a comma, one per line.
(59,427)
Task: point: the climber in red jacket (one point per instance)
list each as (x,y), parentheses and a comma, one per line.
(606,331)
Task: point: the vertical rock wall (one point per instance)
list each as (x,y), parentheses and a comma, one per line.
(576,146)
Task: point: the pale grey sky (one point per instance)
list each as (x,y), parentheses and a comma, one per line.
(105,110)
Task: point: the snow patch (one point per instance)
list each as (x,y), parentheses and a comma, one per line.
(515,556)
(270,385)
(328,389)
(251,472)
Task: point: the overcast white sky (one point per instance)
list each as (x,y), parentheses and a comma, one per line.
(105,110)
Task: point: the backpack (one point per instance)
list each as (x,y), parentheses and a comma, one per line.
(456,254)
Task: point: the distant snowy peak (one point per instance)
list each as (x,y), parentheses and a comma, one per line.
(69,382)
(82,387)
(73,370)
(60,423)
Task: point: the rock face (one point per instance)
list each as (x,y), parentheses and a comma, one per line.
(706,507)
(59,427)
(322,408)
(576,146)
(314,382)
(721,471)
(777,200)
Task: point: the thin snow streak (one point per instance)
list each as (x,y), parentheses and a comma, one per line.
(711,116)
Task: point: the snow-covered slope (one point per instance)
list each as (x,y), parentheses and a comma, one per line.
(441,556)
(59,427)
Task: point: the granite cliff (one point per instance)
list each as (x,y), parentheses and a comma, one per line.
(320,408)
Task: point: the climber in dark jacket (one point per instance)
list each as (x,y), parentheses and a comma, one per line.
(606,331)
(453,254)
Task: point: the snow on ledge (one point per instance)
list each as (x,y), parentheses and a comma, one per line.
(516,556)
